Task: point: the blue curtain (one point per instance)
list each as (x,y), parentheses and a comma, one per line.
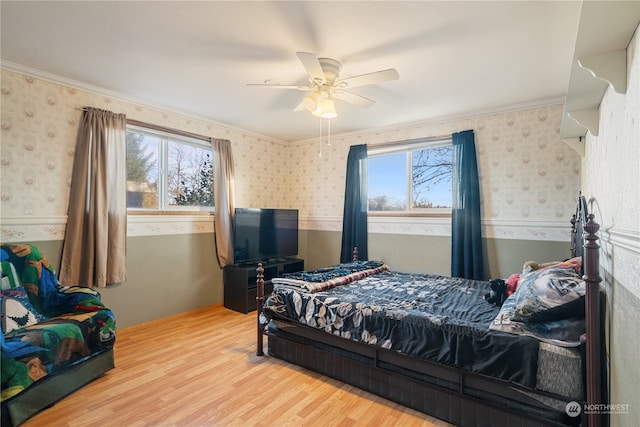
(354,218)
(467,259)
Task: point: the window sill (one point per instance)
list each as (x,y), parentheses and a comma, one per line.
(401,214)
(157,212)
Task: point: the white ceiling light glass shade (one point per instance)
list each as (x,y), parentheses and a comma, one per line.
(310,102)
(326,109)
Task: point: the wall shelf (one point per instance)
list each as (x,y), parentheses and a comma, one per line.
(599,61)
(610,68)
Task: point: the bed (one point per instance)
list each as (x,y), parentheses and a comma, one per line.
(435,344)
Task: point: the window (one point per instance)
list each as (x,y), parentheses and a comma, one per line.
(167,171)
(411,177)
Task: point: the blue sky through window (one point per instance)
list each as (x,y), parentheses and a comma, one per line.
(388,175)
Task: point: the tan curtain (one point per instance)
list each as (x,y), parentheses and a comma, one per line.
(224,199)
(94,248)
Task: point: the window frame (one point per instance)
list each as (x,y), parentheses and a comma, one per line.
(408,146)
(167,135)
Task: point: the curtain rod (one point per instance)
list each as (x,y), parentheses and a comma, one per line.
(170,130)
(410,141)
(162,128)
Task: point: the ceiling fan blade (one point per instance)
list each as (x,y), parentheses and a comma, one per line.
(279,86)
(369,78)
(312,65)
(300,107)
(354,99)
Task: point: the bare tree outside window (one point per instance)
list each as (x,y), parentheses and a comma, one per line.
(431,174)
(191,176)
(168,173)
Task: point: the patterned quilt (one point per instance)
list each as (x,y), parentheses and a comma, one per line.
(437,318)
(45,326)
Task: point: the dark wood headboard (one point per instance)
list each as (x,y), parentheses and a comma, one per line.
(578,220)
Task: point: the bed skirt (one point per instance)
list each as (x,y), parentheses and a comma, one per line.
(460,398)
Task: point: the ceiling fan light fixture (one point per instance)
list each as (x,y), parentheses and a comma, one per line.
(326,109)
(325,83)
(310,102)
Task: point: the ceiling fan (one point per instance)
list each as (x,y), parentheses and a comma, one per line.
(325,85)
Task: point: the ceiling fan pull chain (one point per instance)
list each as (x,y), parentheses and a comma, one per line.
(320,151)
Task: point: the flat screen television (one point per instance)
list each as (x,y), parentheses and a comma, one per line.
(264,234)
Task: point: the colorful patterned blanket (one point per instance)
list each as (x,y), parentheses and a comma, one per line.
(45,326)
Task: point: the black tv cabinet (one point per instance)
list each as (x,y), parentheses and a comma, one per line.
(240,281)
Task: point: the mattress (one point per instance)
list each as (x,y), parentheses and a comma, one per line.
(560,372)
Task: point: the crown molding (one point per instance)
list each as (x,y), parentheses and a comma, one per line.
(538,103)
(99,91)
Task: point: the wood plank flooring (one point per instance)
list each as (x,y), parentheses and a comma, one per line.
(200,369)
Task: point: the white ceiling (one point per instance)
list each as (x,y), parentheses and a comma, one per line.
(454,58)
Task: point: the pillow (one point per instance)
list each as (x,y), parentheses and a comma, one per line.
(530,266)
(563,333)
(17,312)
(551,293)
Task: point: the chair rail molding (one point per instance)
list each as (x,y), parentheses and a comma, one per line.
(34,229)
(441,226)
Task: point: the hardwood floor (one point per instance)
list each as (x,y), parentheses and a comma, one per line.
(200,369)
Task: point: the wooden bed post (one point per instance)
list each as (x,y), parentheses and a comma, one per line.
(259,302)
(573,235)
(592,301)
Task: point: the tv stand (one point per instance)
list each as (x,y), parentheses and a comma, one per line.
(240,281)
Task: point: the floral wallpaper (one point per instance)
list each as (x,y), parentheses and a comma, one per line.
(529,177)
(39,124)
